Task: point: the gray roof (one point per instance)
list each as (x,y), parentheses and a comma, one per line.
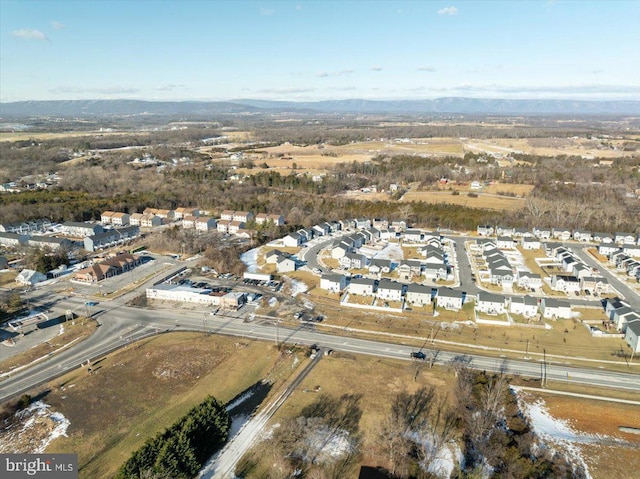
(418,288)
(635,327)
(449,293)
(490,298)
(526,300)
(389,284)
(363,281)
(556,303)
(336,278)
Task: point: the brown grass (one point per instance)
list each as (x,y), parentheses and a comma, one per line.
(600,418)
(79,328)
(484,201)
(137,392)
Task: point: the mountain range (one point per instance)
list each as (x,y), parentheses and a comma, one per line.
(453,105)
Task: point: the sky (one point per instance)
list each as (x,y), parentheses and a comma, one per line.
(318,50)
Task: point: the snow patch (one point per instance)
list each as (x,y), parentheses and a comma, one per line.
(33,429)
(250,259)
(392,251)
(328,444)
(297,287)
(555,430)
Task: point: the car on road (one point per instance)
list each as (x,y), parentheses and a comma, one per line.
(317,270)
(418,355)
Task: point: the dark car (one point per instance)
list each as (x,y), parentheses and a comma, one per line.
(419,355)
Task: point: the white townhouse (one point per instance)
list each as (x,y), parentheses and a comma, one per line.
(524,305)
(205,223)
(632,336)
(362,286)
(530,243)
(334,283)
(189,222)
(285,265)
(490,303)
(448,298)
(292,240)
(505,242)
(418,294)
(553,308)
(390,290)
(528,280)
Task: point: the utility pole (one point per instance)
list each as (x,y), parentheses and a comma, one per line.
(526,354)
(544,384)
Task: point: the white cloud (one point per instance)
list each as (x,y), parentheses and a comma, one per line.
(286,90)
(335,73)
(169,87)
(112,90)
(267,11)
(427,69)
(298,7)
(376,68)
(29,34)
(57,25)
(448,11)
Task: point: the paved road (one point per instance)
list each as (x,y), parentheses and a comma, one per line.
(123,325)
(631,296)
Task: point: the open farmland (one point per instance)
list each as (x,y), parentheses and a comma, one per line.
(487,201)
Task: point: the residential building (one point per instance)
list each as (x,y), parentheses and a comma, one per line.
(334,283)
(379,266)
(530,243)
(162,213)
(362,287)
(119,219)
(286,265)
(566,284)
(524,305)
(490,303)
(13,240)
(105,217)
(264,218)
(435,270)
(189,222)
(292,240)
(109,238)
(505,242)
(632,336)
(181,212)
(223,226)
(418,294)
(243,216)
(235,226)
(340,250)
(528,280)
(205,224)
(448,298)
(73,228)
(553,308)
(150,221)
(485,230)
(49,242)
(390,290)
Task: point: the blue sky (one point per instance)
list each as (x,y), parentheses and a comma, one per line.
(315,50)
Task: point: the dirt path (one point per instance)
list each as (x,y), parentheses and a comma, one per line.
(224,465)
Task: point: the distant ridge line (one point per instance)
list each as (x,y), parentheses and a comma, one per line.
(449,105)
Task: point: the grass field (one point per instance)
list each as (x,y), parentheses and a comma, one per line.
(28,135)
(135,393)
(599,418)
(377,380)
(491,202)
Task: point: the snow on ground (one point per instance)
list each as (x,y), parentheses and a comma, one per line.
(392,251)
(250,259)
(297,287)
(445,456)
(555,430)
(32,429)
(328,444)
